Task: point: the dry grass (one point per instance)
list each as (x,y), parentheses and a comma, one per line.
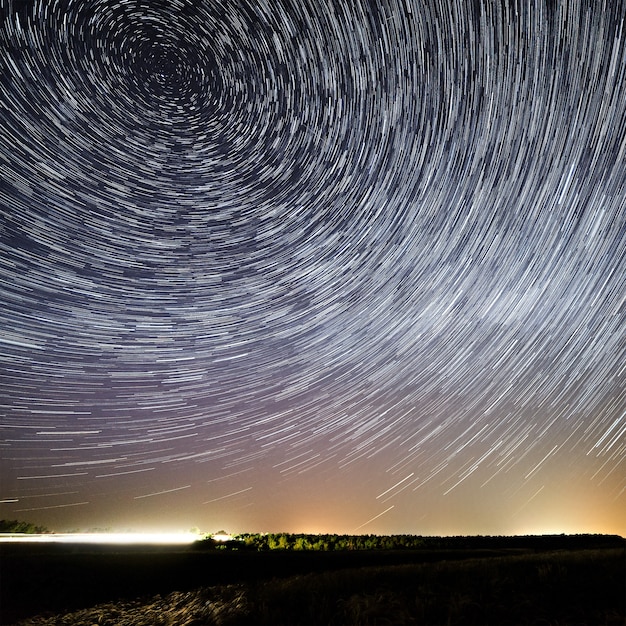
(565,587)
(202,607)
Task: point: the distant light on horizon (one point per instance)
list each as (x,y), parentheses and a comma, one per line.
(151,538)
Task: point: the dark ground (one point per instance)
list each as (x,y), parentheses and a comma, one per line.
(464,586)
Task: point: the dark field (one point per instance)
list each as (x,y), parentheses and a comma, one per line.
(161,585)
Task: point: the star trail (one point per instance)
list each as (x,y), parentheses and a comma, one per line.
(313,266)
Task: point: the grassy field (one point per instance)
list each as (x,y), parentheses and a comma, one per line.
(160,587)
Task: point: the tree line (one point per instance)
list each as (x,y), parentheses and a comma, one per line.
(328,542)
(17,526)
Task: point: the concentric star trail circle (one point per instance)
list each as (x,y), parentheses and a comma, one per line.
(300,243)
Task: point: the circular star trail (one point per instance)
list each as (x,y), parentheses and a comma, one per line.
(265,258)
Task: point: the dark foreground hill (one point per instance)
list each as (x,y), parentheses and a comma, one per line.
(193,588)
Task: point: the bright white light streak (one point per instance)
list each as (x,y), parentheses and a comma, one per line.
(136,471)
(69,432)
(606,434)
(56,506)
(51,476)
(160,493)
(102,538)
(394,486)
(369,521)
(229,495)
(534,469)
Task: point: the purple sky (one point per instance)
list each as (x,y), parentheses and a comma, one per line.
(275,266)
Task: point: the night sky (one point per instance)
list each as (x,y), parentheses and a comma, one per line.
(309,267)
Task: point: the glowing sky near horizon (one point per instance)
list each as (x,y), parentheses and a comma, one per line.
(313,266)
